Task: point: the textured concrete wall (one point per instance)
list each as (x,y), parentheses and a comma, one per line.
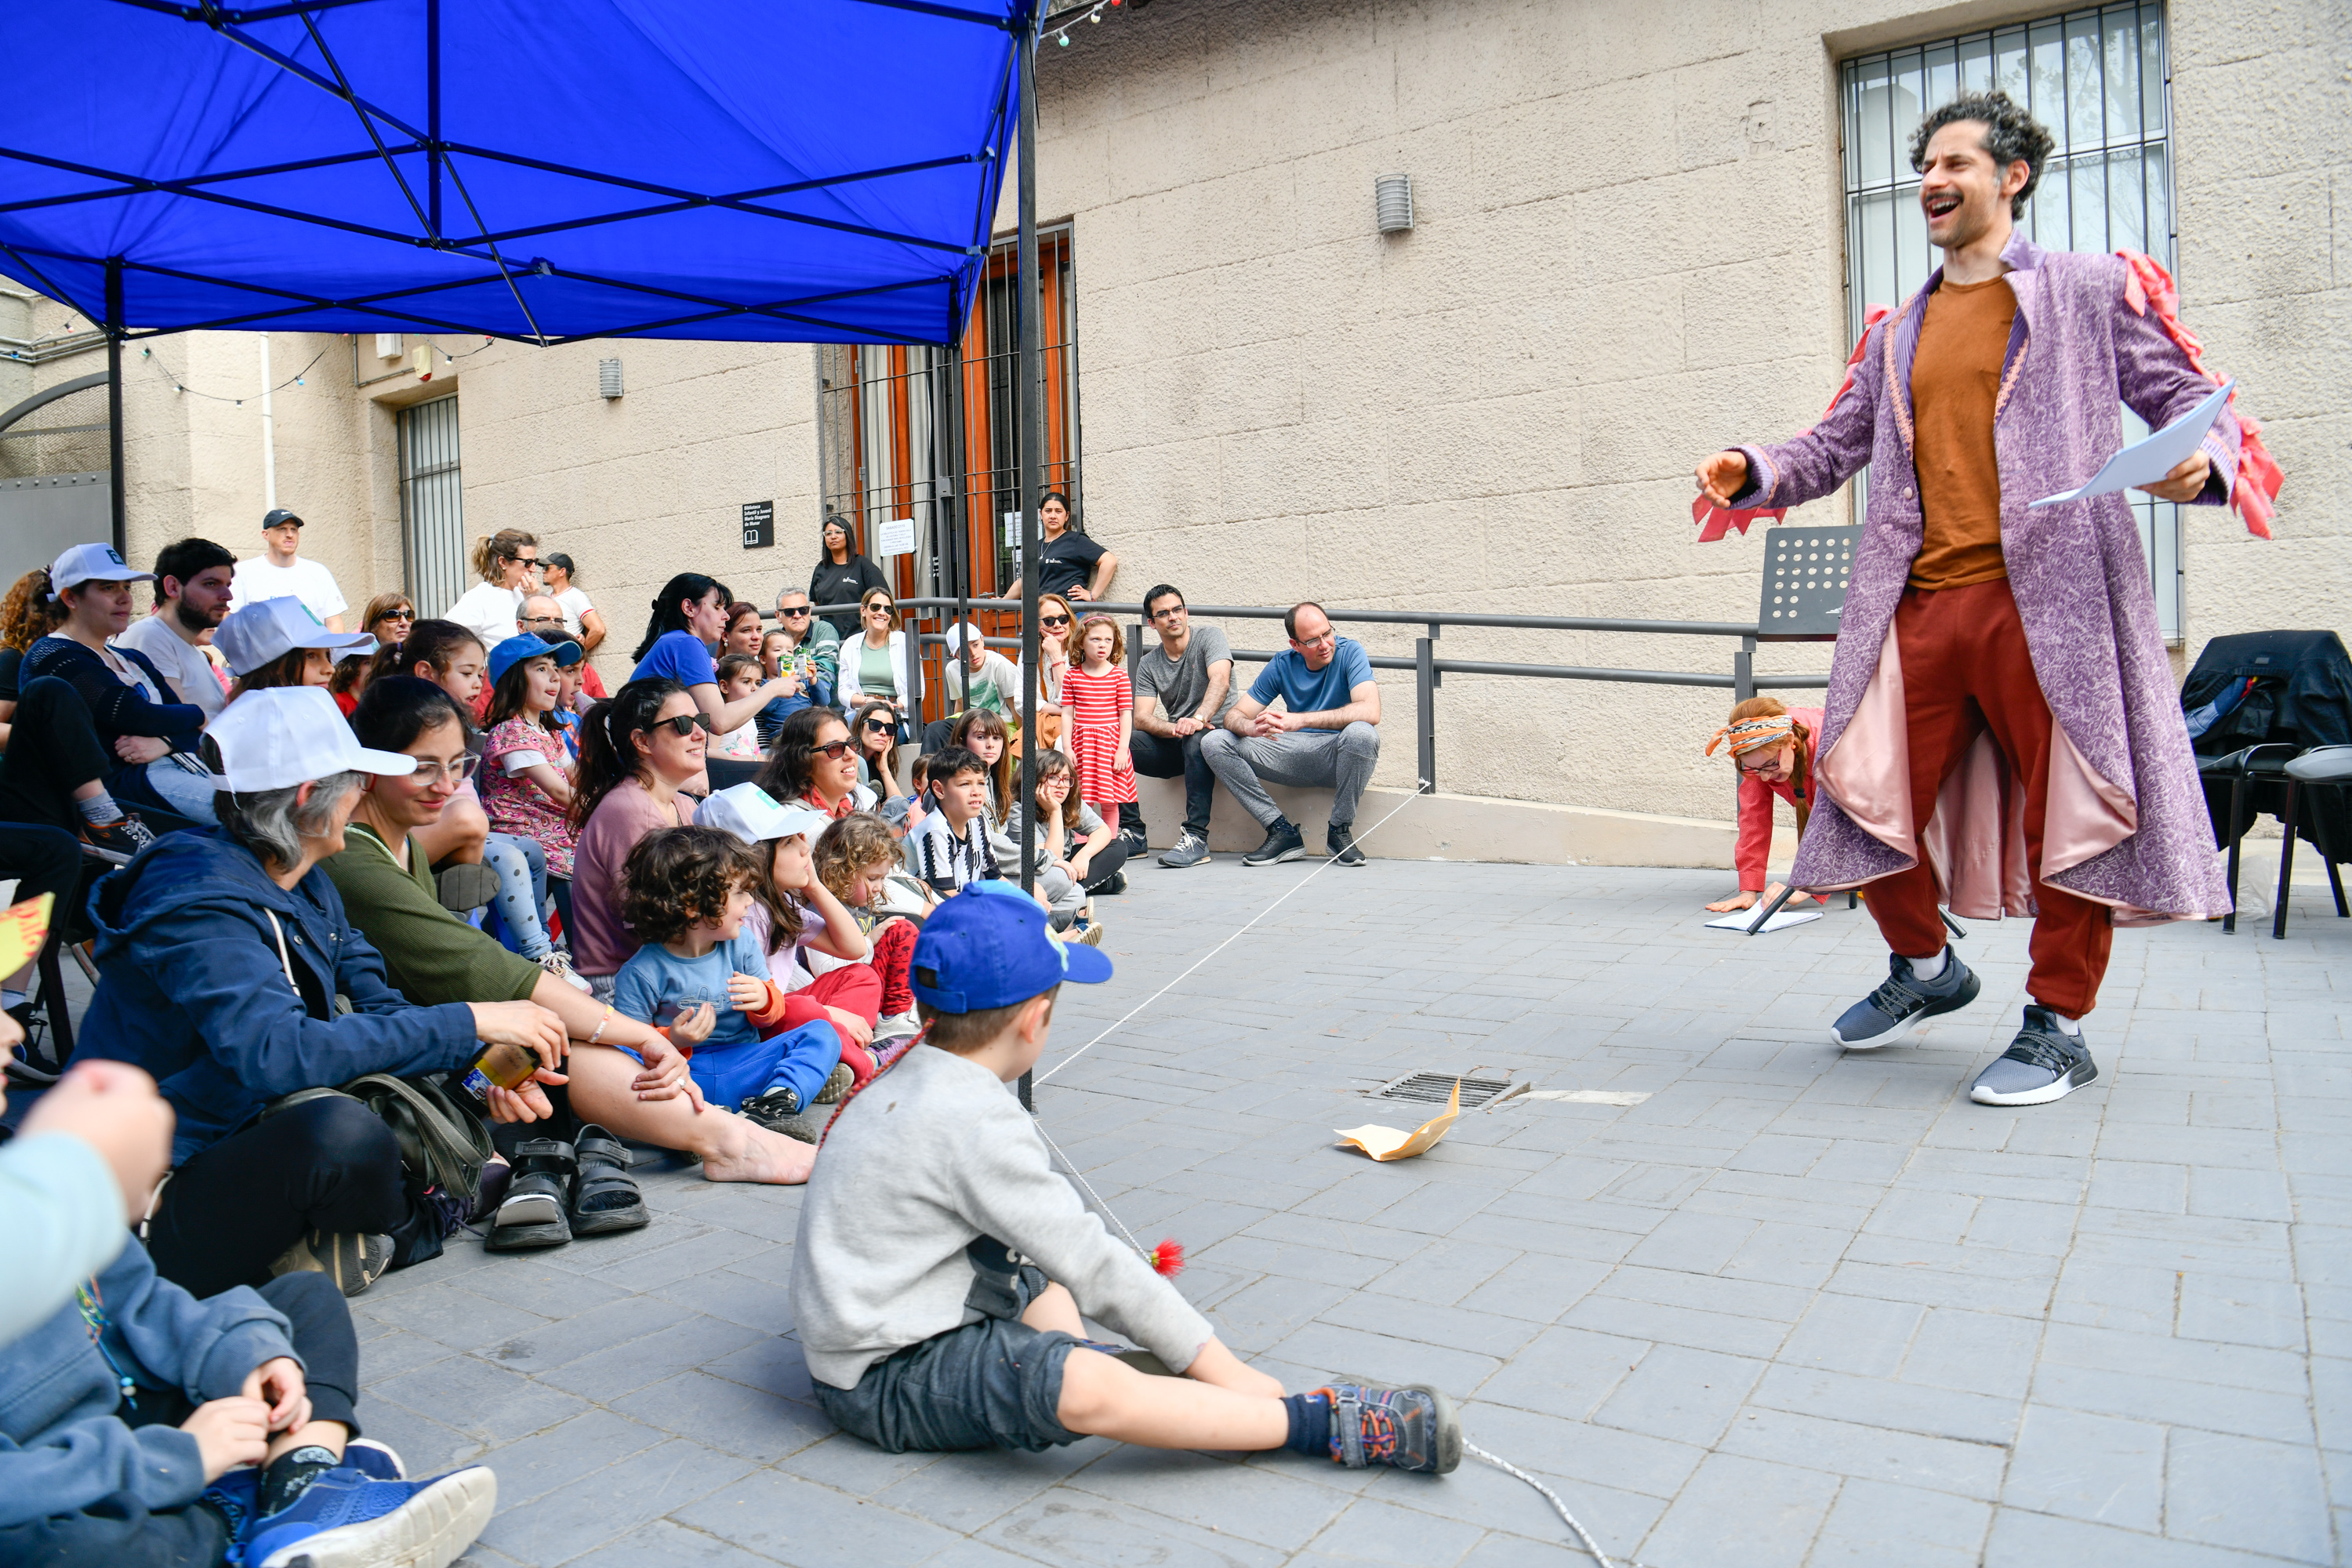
(1629,251)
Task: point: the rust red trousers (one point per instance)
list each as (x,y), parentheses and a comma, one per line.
(1966,669)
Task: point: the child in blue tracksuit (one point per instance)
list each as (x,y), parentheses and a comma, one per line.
(129,1420)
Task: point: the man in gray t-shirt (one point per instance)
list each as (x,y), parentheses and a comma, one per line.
(1183,689)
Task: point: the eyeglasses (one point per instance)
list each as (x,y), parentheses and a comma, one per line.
(1770,764)
(836,750)
(397,615)
(1053,620)
(430,774)
(1169,614)
(684,724)
(538,620)
(880,609)
(879,726)
(794,612)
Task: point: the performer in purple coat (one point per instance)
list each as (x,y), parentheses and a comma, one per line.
(2002,732)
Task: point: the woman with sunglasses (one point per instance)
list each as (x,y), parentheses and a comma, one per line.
(876,663)
(507,562)
(638,750)
(432,956)
(875,728)
(1055,623)
(684,636)
(388,618)
(843,576)
(1772,745)
(815,764)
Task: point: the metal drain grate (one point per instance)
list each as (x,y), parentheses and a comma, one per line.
(1437,1088)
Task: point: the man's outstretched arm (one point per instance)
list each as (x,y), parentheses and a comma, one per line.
(1811,465)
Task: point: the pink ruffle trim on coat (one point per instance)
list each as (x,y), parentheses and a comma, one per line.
(1715,521)
(2254,495)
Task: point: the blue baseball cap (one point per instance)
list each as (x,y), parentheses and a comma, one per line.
(513,650)
(988,947)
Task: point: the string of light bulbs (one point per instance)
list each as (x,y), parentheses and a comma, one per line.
(1062,30)
(148,355)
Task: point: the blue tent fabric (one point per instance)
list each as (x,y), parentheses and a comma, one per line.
(819,170)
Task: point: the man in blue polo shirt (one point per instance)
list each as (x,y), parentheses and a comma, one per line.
(1323,737)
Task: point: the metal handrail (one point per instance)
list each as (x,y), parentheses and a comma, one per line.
(1428,669)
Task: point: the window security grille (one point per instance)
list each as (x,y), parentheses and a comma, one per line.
(2099,80)
(432,505)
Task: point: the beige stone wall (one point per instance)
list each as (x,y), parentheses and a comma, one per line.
(1629,252)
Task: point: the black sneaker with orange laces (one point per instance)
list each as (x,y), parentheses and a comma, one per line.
(1412,1428)
(126,834)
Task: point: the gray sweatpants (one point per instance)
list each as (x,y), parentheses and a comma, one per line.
(1338,760)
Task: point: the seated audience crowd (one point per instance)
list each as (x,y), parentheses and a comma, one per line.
(413,928)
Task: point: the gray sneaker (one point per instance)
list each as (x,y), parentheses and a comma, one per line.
(351,1259)
(1903,1002)
(2042,1064)
(1191,849)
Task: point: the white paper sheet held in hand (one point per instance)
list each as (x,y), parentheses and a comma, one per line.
(2144,463)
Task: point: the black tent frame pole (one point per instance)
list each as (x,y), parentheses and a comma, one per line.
(116,502)
(1028,387)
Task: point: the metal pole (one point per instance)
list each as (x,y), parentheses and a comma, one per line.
(1424,700)
(114,402)
(1743,670)
(1029,387)
(959,563)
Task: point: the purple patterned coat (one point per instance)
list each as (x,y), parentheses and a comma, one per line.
(2127,821)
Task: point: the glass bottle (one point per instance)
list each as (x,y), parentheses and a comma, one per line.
(506,1066)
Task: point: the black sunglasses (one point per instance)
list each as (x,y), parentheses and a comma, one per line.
(836,750)
(795,611)
(684,724)
(1053,620)
(879,726)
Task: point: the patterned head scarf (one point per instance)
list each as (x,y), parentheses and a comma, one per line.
(1753,734)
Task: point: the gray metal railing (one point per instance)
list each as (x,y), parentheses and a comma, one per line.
(1429,670)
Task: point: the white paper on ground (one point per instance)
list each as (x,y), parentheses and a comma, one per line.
(2144,463)
(1740,920)
(1589,1096)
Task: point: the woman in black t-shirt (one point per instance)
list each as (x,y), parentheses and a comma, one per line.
(843,576)
(1070,564)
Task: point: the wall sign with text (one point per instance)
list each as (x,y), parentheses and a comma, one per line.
(759,524)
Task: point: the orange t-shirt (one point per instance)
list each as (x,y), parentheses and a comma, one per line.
(1955,381)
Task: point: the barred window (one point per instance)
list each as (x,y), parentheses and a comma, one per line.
(2099,80)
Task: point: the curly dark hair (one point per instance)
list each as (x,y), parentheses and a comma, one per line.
(678,878)
(2012,136)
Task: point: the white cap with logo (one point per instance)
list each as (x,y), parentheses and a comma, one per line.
(285,735)
(257,634)
(92,564)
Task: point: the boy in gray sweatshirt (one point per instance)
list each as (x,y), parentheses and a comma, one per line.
(943,1263)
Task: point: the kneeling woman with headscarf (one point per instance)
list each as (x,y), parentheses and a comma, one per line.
(1772,746)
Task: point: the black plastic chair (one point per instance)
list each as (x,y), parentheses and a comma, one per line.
(2253,779)
(2326,768)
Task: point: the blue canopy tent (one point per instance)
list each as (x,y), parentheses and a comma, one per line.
(540,170)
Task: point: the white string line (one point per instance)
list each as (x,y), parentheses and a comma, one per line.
(1550,1496)
(1079,1176)
(1419,789)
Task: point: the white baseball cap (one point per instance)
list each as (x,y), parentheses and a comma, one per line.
(285,735)
(255,635)
(959,634)
(752,814)
(92,564)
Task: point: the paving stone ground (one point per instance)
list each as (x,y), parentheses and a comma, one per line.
(1795,1308)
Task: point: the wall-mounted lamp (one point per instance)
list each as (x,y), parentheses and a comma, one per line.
(608,377)
(1392,201)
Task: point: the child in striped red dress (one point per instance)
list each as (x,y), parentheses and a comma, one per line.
(1101,708)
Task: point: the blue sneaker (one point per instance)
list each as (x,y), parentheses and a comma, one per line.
(1903,1002)
(376,1460)
(235,1497)
(347,1521)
